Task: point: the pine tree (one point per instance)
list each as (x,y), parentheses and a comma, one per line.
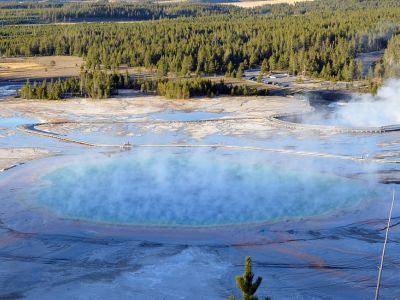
(264,67)
(240,71)
(379,69)
(360,70)
(162,67)
(260,77)
(351,71)
(245,282)
(211,67)
(186,65)
(370,74)
(229,69)
(147,59)
(253,59)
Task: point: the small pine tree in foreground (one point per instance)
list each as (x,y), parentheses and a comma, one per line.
(246,284)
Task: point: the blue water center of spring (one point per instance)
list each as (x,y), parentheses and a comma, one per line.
(194,189)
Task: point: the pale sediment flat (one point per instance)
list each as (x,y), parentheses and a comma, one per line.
(89,116)
(138,108)
(11,157)
(119,107)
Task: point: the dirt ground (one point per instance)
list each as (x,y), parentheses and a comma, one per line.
(251,4)
(244,3)
(39,67)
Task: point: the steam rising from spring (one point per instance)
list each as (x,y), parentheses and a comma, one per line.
(368,110)
(194,188)
(363,110)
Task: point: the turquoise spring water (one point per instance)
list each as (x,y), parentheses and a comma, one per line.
(194,189)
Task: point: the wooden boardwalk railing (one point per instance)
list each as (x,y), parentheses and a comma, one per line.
(277,121)
(30,129)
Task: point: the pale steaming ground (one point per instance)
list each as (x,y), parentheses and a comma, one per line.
(181,275)
(10,158)
(13,153)
(8,90)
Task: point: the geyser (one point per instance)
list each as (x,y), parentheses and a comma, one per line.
(193,189)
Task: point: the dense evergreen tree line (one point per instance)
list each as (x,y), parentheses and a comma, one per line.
(28,12)
(49,12)
(53,90)
(90,83)
(99,84)
(317,44)
(390,64)
(386,67)
(193,87)
(324,6)
(188,88)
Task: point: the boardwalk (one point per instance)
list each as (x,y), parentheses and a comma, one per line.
(30,129)
(277,121)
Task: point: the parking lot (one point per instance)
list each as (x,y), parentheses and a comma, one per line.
(281,79)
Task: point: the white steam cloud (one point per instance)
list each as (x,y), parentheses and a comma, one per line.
(367,110)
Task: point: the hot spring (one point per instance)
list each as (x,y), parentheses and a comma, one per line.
(204,188)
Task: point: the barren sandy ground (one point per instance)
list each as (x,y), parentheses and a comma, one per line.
(14,156)
(23,68)
(244,3)
(39,67)
(251,4)
(81,109)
